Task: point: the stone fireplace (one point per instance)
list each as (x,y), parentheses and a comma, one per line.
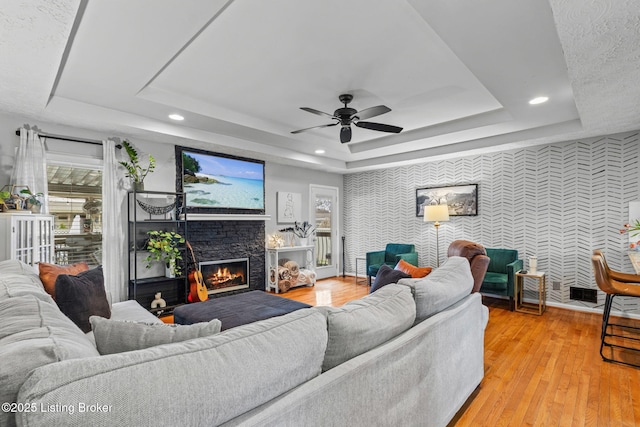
(225,275)
(231,240)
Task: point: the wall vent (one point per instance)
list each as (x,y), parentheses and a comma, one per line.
(583,294)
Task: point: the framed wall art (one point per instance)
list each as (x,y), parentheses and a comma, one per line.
(289,207)
(462,200)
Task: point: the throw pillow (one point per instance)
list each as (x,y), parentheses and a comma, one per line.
(387,275)
(49,273)
(412,270)
(118,336)
(82,296)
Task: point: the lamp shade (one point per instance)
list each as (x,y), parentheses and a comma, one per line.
(435,213)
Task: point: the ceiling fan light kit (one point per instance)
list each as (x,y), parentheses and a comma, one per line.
(346,116)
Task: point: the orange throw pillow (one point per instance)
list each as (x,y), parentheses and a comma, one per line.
(415,272)
(50,272)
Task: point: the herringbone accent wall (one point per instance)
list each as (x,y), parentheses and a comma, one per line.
(557,202)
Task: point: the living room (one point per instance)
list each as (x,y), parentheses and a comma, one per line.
(554,181)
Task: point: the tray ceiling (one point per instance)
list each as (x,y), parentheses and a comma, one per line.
(457,75)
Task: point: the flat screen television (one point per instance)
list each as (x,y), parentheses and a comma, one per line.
(219,183)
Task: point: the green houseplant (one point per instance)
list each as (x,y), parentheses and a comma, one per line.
(4,195)
(135,170)
(164,246)
(33,201)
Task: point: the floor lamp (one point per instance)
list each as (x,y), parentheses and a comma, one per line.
(435,214)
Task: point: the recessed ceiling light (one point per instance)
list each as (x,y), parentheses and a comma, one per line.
(320,151)
(538,100)
(177,117)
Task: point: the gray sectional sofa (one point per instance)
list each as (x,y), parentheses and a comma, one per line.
(410,354)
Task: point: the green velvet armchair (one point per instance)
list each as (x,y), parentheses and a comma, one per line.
(393,253)
(500,278)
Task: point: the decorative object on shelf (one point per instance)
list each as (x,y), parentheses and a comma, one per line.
(158,302)
(435,214)
(156,210)
(14,201)
(633,229)
(33,202)
(462,200)
(135,171)
(165,247)
(3,204)
(303,231)
(533,264)
(276,240)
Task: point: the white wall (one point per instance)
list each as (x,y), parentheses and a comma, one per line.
(278,177)
(558,202)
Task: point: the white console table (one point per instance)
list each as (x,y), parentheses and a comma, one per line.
(303,255)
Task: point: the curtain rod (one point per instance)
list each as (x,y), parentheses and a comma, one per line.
(68,138)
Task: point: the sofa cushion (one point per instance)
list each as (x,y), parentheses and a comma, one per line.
(50,272)
(385,276)
(16,285)
(13,266)
(82,296)
(118,336)
(363,324)
(34,333)
(495,282)
(412,270)
(445,286)
(233,371)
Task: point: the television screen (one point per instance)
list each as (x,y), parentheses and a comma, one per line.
(213,181)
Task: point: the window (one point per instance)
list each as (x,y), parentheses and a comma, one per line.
(75,200)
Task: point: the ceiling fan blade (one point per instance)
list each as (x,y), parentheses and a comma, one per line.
(379,127)
(345,134)
(315,127)
(367,113)
(314,111)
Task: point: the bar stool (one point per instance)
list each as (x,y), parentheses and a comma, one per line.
(614,287)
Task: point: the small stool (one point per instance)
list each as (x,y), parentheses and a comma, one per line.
(615,283)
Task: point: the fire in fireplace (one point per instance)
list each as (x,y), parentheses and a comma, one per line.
(225,275)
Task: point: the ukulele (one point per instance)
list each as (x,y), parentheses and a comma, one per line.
(197,289)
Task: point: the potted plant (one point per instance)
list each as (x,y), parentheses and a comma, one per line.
(164,246)
(303,231)
(33,201)
(4,195)
(135,170)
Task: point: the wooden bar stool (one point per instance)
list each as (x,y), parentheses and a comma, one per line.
(613,287)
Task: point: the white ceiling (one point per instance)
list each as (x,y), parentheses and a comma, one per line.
(457,74)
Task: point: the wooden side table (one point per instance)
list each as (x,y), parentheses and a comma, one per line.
(526,307)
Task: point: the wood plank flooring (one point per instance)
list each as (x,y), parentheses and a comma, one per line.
(539,370)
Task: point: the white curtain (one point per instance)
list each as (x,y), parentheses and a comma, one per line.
(114,246)
(31,166)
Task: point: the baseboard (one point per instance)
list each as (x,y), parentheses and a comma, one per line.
(616,313)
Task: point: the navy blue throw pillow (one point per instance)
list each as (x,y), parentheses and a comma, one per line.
(387,275)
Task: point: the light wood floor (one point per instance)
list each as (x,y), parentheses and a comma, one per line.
(539,370)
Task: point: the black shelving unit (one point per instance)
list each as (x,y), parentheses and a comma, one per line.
(162,211)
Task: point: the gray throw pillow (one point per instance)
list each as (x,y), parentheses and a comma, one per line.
(118,336)
(363,324)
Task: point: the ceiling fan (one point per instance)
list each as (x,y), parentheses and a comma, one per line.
(347,116)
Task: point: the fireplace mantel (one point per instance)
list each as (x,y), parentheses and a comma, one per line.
(226,217)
